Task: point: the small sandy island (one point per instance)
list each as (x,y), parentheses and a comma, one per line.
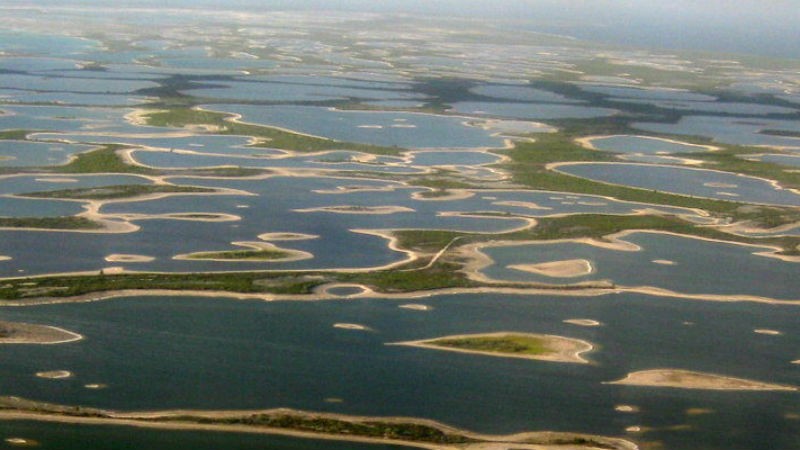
(416,307)
(664,262)
(685,379)
(54,374)
(584,322)
(28,333)
(5,258)
(353,209)
(351,326)
(570,268)
(286,236)
(767,332)
(626,408)
(542,347)
(128,258)
(21,442)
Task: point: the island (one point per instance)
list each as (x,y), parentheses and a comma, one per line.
(685,379)
(28,333)
(542,347)
(407,431)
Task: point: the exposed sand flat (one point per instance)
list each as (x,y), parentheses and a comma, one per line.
(685,379)
(351,326)
(583,322)
(416,307)
(5,258)
(796,361)
(95,386)
(54,374)
(558,348)
(352,209)
(721,185)
(664,262)
(569,268)
(128,258)
(56,180)
(286,236)
(767,332)
(519,204)
(626,408)
(27,333)
(21,442)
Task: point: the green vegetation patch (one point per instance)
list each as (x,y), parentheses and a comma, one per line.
(509,344)
(50,223)
(272,137)
(242,255)
(116,192)
(102,160)
(404,431)
(15,135)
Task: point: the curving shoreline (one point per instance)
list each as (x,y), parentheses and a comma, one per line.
(27,333)
(405,431)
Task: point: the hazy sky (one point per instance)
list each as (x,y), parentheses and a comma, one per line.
(770,27)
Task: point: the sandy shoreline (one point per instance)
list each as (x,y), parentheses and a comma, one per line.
(26,333)
(546,440)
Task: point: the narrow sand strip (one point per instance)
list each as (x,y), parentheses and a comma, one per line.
(685,379)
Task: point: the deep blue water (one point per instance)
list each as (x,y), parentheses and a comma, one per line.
(158,353)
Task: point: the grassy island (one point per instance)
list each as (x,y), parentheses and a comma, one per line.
(512,345)
(117,192)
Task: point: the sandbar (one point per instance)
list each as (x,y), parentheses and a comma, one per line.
(56,180)
(286,236)
(353,209)
(556,348)
(626,408)
(521,204)
(570,268)
(664,262)
(27,333)
(416,307)
(584,322)
(116,257)
(21,442)
(767,332)
(5,258)
(685,379)
(54,374)
(351,326)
